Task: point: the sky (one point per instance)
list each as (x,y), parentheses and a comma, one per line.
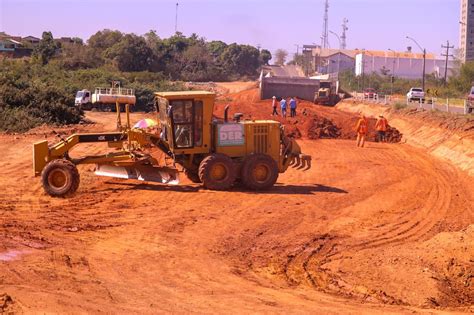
(270,24)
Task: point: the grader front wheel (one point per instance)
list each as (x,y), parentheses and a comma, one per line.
(259,172)
(60,178)
(217,172)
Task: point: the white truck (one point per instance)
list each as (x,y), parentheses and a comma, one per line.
(416,94)
(104,99)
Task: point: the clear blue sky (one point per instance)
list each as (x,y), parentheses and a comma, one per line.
(373,24)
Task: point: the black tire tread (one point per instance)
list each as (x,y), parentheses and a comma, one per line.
(247,168)
(70,167)
(207,162)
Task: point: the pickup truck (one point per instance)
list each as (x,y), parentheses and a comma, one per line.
(416,94)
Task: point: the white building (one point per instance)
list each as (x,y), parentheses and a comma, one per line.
(466,34)
(401,65)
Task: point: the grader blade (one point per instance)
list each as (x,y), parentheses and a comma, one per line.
(164,175)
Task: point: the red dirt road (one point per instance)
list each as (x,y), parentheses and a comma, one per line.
(386,228)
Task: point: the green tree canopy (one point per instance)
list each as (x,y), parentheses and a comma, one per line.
(46,48)
(131,53)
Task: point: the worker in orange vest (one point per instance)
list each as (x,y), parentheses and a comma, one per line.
(381,126)
(362,128)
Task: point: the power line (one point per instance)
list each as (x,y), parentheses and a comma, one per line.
(447,55)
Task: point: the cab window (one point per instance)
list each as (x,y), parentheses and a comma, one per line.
(182,114)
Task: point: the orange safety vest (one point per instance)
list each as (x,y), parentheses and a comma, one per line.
(362,127)
(381,124)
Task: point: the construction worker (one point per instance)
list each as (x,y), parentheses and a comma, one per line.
(292,107)
(381,126)
(274,106)
(283,107)
(362,128)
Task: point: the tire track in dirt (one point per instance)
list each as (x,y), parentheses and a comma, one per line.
(307,264)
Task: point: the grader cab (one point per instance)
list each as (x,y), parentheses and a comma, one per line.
(211,151)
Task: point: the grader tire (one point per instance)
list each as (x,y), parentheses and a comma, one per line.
(217,172)
(259,172)
(192,176)
(60,178)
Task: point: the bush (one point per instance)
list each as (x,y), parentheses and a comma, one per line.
(399,105)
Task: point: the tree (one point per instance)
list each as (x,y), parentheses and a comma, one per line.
(46,48)
(240,59)
(131,53)
(280,57)
(265,57)
(104,39)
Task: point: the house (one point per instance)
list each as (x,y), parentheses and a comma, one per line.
(11,46)
(4,35)
(64,40)
(31,40)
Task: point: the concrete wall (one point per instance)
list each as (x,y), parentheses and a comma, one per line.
(408,68)
(302,88)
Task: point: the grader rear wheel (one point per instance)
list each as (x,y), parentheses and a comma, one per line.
(60,178)
(217,172)
(259,172)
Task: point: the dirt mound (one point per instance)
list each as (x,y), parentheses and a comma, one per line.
(321,128)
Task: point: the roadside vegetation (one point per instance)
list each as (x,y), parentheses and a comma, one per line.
(41,89)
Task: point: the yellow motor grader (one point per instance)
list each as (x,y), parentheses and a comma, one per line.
(211,151)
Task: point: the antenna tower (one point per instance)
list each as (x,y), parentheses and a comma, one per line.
(325,36)
(343,37)
(176,19)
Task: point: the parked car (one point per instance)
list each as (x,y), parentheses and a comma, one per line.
(370,93)
(470,101)
(416,94)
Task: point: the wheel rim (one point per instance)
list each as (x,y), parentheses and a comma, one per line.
(57,179)
(261,173)
(219,172)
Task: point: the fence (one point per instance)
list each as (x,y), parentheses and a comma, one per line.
(443,105)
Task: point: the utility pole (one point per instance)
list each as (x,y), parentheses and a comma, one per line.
(447,55)
(424,58)
(176,19)
(343,37)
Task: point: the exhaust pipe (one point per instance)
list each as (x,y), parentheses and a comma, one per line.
(226,113)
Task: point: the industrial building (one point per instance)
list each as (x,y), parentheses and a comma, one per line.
(401,64)
(466,41)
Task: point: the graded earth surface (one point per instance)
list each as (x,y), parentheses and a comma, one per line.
(386,228)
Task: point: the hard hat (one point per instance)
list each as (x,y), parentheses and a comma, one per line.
(274,97)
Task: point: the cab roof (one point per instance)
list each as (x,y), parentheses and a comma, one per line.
(184,94)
